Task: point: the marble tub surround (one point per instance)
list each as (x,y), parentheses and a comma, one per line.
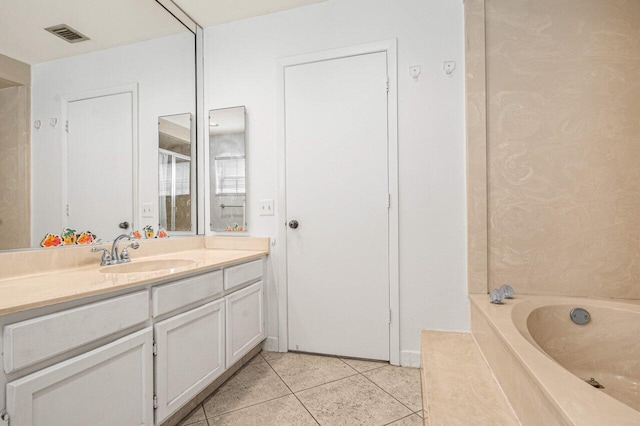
(64,274)
(559,153)
(563,82)
(476,122)
(458,386)
(540,389)
(291,389)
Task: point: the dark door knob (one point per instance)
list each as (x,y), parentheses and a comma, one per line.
(293,224)
(124,225)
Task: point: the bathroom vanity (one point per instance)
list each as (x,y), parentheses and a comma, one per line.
(135,347)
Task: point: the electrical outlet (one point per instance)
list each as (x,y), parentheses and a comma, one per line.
(147,210)
(266,207)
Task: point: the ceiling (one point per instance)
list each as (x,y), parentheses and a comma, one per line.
(111,23)
(213,12)
(107,23)
(226,120)
(178,126)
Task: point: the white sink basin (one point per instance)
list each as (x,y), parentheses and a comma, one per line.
(147,266)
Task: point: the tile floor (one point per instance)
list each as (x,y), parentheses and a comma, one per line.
(300,389)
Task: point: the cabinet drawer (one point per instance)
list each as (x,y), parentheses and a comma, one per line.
(167,298)
(35,340)
(241,274)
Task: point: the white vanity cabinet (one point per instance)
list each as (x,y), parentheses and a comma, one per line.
(129,359)
(189,355)
(111,385)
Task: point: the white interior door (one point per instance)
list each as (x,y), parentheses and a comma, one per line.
(336,189)
(100,164)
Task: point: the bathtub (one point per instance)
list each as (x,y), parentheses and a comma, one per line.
(542,359)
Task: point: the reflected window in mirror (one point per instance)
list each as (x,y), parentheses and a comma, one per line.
(227,170)
(175,173)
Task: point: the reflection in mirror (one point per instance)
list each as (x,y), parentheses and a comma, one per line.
(175,198)
(227,170)
(79,121)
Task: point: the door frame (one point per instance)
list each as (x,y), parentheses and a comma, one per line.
(390,47)
(91,94)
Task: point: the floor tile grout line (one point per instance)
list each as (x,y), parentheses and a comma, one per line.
(356,372)
(302,390)
(307,410)
(206,419)
(248,406)
(251,405)
(292,392)
(375,368)
(235,373)
(388,393)
(326,383)
(180,423)
(397,420)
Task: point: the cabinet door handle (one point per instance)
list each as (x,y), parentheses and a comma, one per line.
(293,224)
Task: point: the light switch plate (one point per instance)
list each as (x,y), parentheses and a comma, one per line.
(266,207)
(147,210)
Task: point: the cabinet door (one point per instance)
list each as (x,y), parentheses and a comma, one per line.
(245,321)
(111,385)
(190,355)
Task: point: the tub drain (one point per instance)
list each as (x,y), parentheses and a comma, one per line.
(580,316)
(593,382)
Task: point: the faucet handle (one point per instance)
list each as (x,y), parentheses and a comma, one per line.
(496,296)
(508,291)
(106,257)
(124,256)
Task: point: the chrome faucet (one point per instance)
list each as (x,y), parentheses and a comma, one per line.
(497,295)
(114,249)
(113,258)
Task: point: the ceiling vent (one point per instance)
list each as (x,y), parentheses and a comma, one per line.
(67,33)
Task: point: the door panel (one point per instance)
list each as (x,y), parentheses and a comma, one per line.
(190,355)
(337,187)
(245,321)
(100,164)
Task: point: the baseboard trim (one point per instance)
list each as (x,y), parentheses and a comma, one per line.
(410,359)
(270,344)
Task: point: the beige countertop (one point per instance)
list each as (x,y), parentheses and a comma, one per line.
(20,293)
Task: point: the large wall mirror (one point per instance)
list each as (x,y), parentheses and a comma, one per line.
(82,87)
(227,171)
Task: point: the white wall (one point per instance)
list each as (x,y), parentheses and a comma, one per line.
(240,69)
(164,70)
